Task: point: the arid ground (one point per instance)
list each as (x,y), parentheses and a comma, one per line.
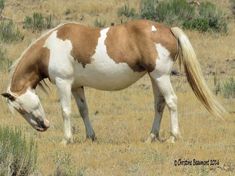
(122,119)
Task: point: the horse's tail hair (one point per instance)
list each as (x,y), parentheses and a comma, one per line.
(188,59)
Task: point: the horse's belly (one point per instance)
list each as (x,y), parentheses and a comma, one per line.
(105,76)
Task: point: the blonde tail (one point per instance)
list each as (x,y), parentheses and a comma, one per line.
(188,58)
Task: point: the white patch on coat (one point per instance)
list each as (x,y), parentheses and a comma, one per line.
(161,77)
(30,103)
(164,62)
(60,60)
(103,73)
(154,29)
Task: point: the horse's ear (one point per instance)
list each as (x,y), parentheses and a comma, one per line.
(8,96)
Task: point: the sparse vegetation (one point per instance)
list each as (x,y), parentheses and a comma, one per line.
(179,12)
(4,61)
(9,32)
(38,22)
(64,164)
(209,19)
(127,11)
(148,9)
(2,5)
(17,156)
(99,23)
(233,6)
(228,88)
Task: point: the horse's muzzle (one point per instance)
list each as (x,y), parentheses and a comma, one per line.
(42,125)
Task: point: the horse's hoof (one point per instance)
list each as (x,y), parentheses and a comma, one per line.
(152,138)
(66,142)
(91,138)
(171,140)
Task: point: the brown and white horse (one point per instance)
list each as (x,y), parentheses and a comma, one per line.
(73,56)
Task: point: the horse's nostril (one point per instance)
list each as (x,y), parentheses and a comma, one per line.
(42,124)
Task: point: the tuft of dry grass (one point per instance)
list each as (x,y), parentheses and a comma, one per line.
(122,120)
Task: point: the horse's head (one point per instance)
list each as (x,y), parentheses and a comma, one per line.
(29,106)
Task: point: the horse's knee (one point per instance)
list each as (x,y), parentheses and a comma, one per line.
(66,113)
(172,102)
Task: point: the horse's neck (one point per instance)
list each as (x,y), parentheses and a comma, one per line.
(28,74)
(24,77)
(32,67)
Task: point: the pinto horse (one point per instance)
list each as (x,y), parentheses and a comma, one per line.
(73,56)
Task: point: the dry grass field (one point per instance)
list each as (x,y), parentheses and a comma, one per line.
(122,119)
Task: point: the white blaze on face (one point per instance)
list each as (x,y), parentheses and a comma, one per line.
(29,101)
(28,104)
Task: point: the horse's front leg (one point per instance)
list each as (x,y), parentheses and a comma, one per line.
(79,96)
(64,90)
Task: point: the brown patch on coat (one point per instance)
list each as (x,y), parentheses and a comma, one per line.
(84,40)
(32,67)
(165,37)
(134,43)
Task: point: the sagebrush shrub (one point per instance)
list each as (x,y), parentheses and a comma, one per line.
(205,18)
(127,11)
(99,23)
(9,32)
(5,63)
(233,6)
(209,18)
(64,164)
(148,9)
(228,88)
(2,5)
(38,22)
(17,155)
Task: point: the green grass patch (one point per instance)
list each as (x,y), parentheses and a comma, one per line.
(205,18)
(9,32)
(127,11)
(17,155)
(38,22)
(2,5)
(5,63)
(209,18)
(228,88)
(64,164)
(99,23)
(148,9)
(232,2)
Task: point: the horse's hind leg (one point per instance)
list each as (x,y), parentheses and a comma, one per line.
(159,105)
(165,87)
(79,96)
